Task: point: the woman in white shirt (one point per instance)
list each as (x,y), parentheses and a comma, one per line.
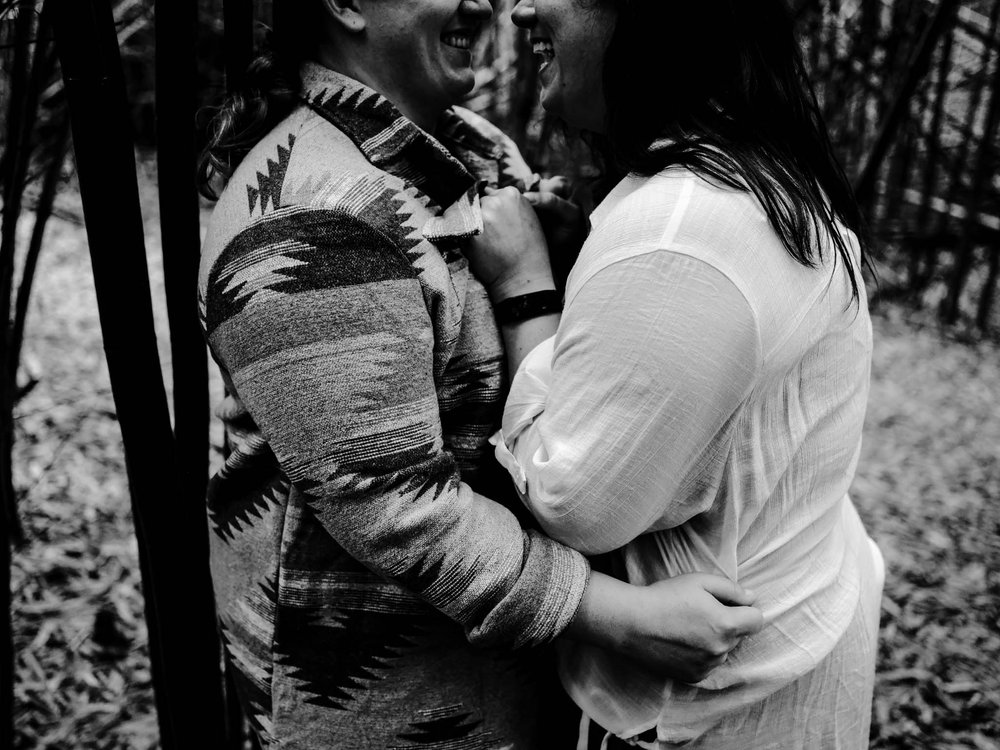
(699,405)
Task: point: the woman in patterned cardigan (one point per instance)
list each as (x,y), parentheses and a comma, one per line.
(373,589)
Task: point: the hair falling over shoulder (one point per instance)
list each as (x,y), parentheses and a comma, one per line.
(724,82)
(271,91)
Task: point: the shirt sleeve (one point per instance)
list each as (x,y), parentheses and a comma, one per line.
(323,327)
(608,425)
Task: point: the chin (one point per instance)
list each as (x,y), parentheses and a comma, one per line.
(460,86)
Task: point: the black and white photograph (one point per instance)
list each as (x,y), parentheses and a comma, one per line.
(500,374)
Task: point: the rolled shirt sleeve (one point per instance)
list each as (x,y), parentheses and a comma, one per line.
(607,423)
(323,327)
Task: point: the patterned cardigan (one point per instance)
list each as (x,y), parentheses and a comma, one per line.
(365,373)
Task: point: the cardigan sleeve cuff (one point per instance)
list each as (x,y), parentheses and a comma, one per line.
(554,575)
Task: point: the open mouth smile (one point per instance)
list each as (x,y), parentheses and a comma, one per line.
(545,50)
(459,39)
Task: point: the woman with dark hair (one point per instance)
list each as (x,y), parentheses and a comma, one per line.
(699,406)
(355,549)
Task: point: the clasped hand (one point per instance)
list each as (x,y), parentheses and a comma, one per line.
(525,235)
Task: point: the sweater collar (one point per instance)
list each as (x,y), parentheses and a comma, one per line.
(396,145)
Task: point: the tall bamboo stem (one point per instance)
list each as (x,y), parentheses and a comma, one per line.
(102,139)
(982,176)
(14,166)
(177,173)
(917,68)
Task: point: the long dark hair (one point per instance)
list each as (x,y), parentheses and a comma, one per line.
(724,82)
(270,92)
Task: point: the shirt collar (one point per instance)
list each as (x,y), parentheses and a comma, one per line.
(394,144)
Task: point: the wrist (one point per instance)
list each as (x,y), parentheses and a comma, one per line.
(605,616)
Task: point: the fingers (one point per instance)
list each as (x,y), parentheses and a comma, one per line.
(728,592)
(541,200)
(698,670)
(502,201)
(745,621)
(552,204)
(505,192)
(558,185)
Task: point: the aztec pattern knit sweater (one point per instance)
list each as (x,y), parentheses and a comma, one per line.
(351,557)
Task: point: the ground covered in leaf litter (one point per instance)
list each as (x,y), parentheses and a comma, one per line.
(928,487)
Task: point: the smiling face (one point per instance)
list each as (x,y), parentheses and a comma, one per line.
(417,53)
(570,37)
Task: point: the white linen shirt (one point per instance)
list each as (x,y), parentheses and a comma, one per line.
(701,407)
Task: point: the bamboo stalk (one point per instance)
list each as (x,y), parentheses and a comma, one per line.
(91,64)
(43,62)
(177,172)
(15,163)
(916,69)
(960,162)
(6,645)
(238,41)
(14,171)
(900,167)
(43,211)
(23,108)
(989,290)
(918,278)
(815,32)
(865,79)
(982,177)
(829,34)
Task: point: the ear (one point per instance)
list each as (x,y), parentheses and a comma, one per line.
(348,14)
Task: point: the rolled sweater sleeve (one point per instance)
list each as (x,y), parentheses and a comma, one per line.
(322,325)
(608,423)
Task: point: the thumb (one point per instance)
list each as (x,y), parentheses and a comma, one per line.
(727,591)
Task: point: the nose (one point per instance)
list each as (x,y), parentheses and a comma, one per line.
(481,9)
(523,14)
